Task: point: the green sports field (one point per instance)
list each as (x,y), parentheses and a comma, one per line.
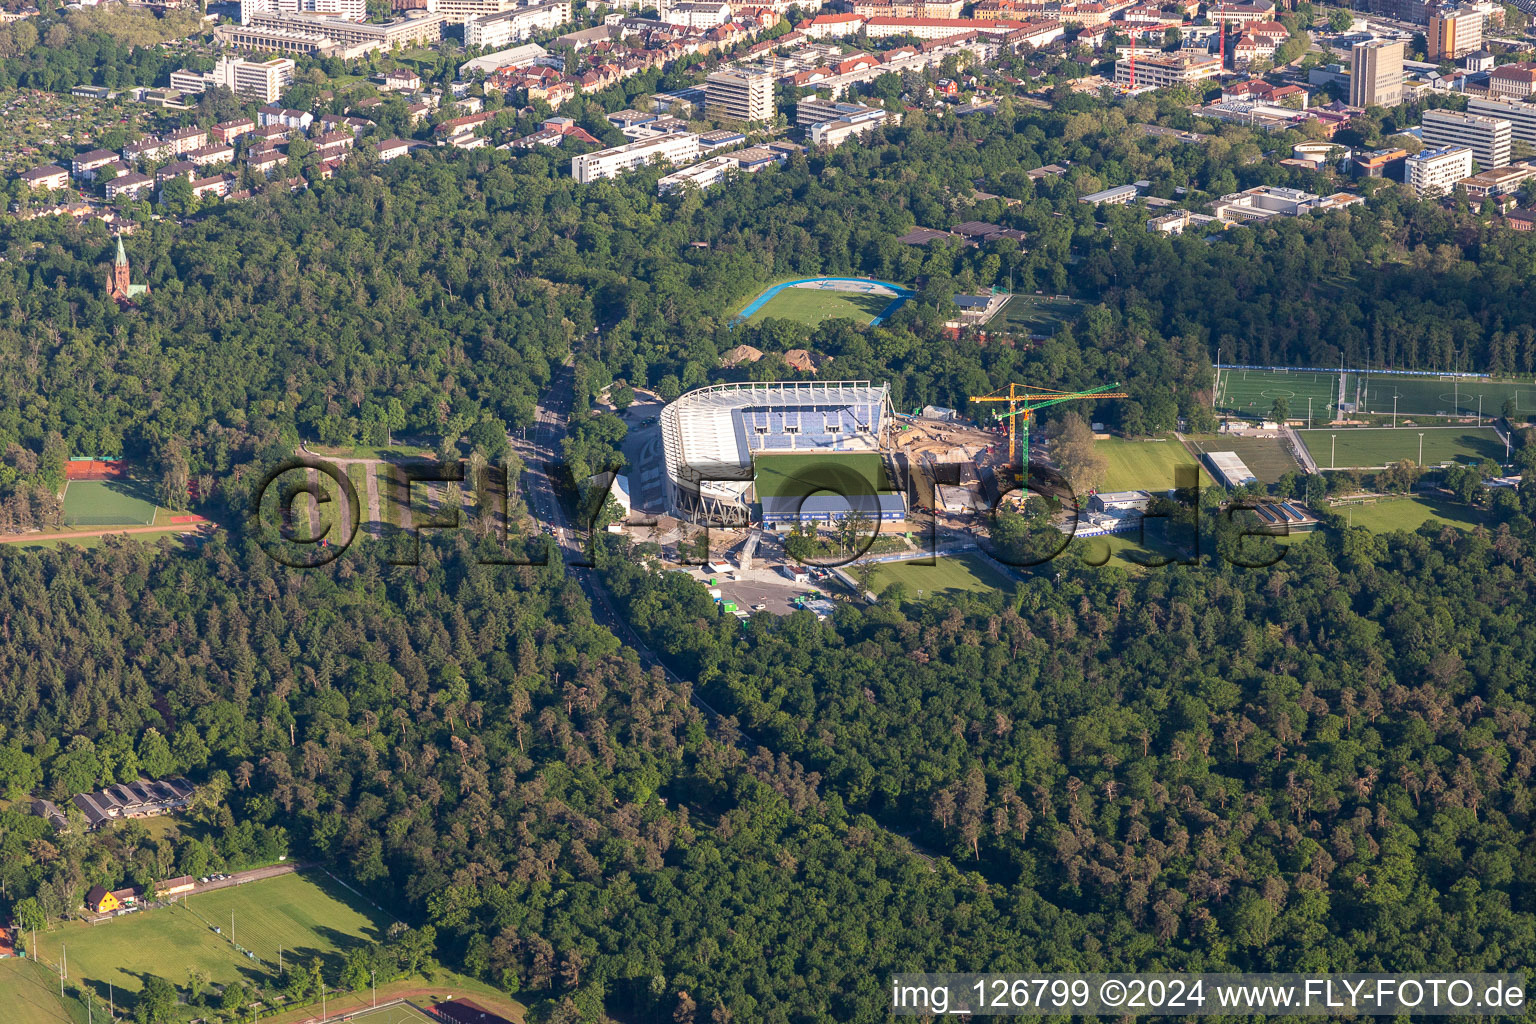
(1037,314)
(814,305)
(1408,514)
(1145,465)
(1434,396)
(108,503)
(307,915)
(1252,393)
(29,994)
(947,577)
(801,475)
(1368,447)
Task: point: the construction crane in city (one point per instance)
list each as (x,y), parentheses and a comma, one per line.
(1024,400)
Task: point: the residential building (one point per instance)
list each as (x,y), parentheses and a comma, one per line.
(1487,137)
(392,149)
(1454,32)
(99,901)
(85,165)
(187,139)
(229,131)
(491,31)
(179,169)
(1376,74)
(1436,171)
(1521,116)
(48,176)
(739,95)
(214,185)
(130,185)
(1167,70)
(282,117)
(695,13)
(144,798)
(263,81)
(676,147)
(939,28)
(421,29)
(462,12)
(1512,81)
(908,8)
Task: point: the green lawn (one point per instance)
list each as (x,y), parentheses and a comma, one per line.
(948,576)
(108,503)
(307,916)
(1036,314)
(1408,514)
(45,542)
(29,994)
(1364,447)
(1136,465)
(813,305)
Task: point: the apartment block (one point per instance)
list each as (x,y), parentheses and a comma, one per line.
(263,81)
(1436,171)
(676,147)
(1376,74)
(491,31)
(739,95)
(1487,137)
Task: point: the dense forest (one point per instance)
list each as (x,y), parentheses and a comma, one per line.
(1321,765)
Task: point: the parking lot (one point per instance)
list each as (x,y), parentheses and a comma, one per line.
(763,589)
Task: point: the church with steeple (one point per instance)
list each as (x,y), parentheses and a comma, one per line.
(119,286)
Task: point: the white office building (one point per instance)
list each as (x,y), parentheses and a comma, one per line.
(263,81)
(1521,116)
(1435,172)
(490,31)
(676,147)
(1487,137)
(739,95)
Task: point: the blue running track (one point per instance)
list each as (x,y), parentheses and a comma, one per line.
(902,295)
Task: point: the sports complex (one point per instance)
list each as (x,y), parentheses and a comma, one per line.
(811,300)
(1252,390)
(780,453)
(100,492)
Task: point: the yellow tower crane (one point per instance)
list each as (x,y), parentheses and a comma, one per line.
(1023,400)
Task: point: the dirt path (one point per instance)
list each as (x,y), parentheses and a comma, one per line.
(32,538)
(375,517)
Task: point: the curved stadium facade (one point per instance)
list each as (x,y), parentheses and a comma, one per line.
(713,437)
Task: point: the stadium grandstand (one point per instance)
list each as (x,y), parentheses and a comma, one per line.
(714,437)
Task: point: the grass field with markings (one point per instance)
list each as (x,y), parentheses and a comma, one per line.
(1408,514)
(1145,465)
(1252,393)
(948,576)
(814,305)
(306,915)
(29,994)
(1367,447)
(108,503)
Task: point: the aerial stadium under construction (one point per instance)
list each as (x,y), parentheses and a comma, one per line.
(829,438)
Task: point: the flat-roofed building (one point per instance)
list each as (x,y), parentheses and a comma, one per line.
(1376,74)
(675,147)
(1487,137)
(1454,32)
(1229,470)
(739,95)
(525,56)
(263,81)
(490,31)
(1497,181)
(1436,171)
(1521,116)
(1167,70)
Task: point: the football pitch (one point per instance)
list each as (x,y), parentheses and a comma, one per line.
(306,916)
(1253,393)
(812,301)
(1371,447)
(1438,396)
(108,503)
(949,576)
(850,474)
(1147,465)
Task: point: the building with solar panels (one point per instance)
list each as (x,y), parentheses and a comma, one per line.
(780,452)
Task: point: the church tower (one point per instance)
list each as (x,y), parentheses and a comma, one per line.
(119,285)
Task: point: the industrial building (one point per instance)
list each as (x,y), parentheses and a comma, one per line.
(1376,74)
(739,95)
(718,441)
(1487,137)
